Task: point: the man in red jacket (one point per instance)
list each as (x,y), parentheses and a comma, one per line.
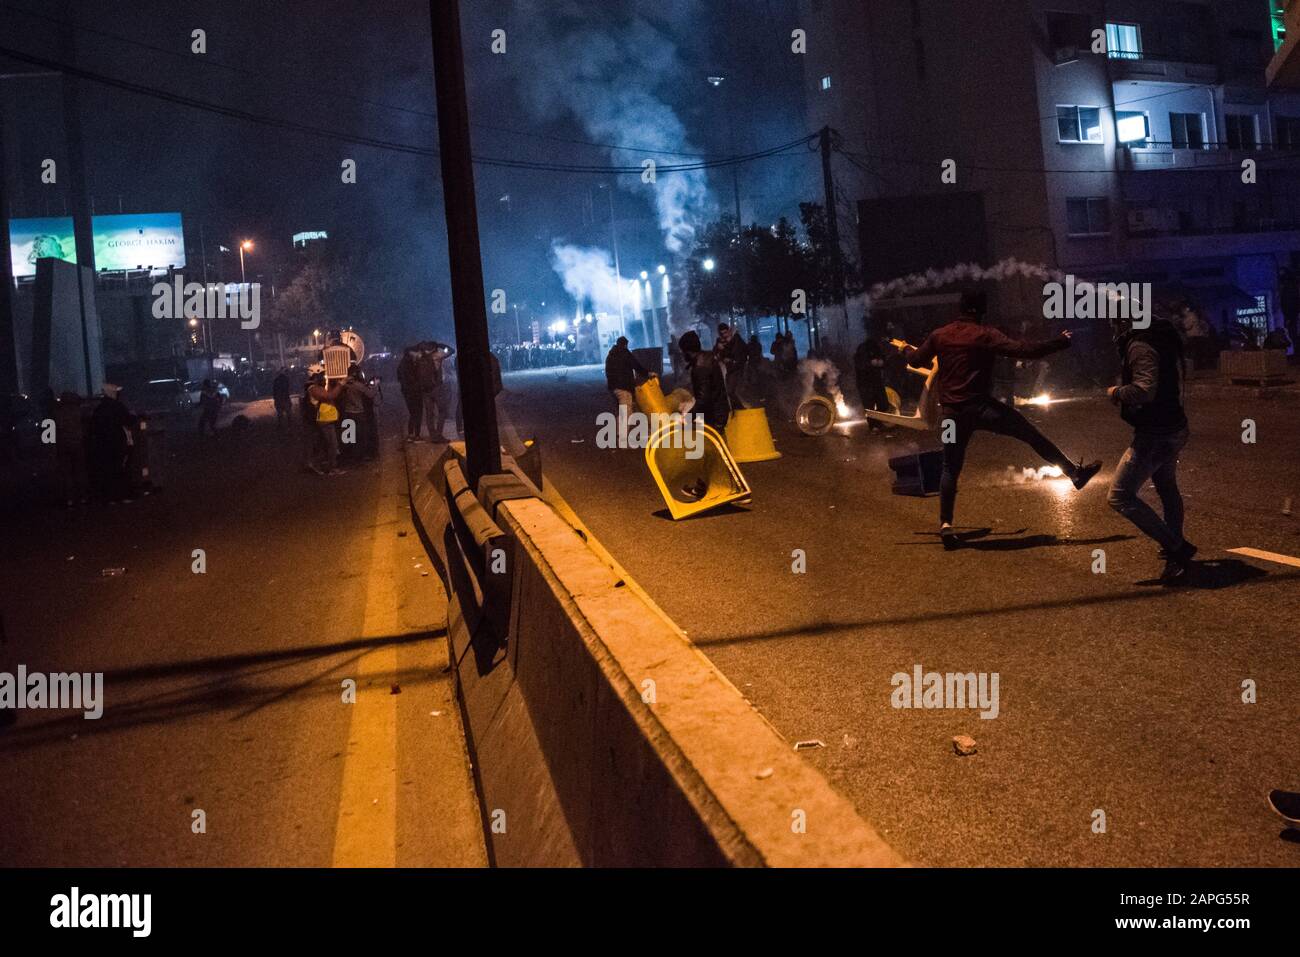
(966,350)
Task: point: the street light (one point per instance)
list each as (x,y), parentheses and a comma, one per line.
(663,269)
(246,246)
(708,265)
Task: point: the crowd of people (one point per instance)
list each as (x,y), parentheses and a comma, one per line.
(426,378)
(339,419)
(517,358)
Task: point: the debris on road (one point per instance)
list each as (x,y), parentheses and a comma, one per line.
(395,689)
(809,745)
(763,774)
(963,744)
(111,572)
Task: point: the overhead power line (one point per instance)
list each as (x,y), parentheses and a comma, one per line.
(335,91)
(353,138)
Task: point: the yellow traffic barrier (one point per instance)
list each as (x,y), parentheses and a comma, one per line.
(650,397)
(749,437)
(714,475)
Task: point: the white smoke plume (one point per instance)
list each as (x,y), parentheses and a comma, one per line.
(810,370)
(588,275)
(609,76)
(914,283)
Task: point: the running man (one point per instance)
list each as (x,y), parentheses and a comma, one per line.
(966,350)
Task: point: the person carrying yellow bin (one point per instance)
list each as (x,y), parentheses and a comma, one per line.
(621,371)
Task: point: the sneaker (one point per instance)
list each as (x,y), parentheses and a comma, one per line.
(1175,573)
(696,490)
(1083,475)
(948,535)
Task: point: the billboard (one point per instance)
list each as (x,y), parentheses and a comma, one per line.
(139,241)
(33,239)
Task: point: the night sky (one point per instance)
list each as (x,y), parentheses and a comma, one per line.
(575,73)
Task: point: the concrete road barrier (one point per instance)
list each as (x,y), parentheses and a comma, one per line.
(599,735)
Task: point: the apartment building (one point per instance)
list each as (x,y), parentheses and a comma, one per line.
(1136,140)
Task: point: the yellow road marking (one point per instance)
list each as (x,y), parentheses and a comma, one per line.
(1267,556)
(366,832)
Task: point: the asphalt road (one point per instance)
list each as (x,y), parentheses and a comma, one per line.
(1120,701)
(224,691)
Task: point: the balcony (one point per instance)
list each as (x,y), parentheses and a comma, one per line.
(1149,69)
(1155,154)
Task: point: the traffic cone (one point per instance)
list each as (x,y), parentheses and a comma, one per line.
(749,437)
(675,473)
(650,397)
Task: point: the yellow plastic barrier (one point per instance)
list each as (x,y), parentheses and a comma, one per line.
(749,437)
(650,397)
(665,455)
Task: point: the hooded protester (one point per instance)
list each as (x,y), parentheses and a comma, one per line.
(869,370)
(1150,398)
(707,382)
(621,371)
(111,426)
(966,350)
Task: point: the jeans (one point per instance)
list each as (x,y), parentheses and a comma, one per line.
(414,412)
(1153,457)
(988,415)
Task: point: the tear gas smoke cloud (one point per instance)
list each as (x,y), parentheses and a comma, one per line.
(607,76)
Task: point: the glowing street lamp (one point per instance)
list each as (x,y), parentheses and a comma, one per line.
(708,265)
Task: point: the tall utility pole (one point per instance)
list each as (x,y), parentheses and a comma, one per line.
(477,395)
(82,206)
(832,225)
(8,344)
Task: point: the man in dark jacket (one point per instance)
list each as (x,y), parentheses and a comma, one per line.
(283,403)
(1150,398)
(707,383)
(869,370)
(111,428)
(966,350)
(408,381)
(621,371)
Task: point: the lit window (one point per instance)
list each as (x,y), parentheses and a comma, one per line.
(1078,124)
(1132,127)
(826,83)
(1088,215)
(1123,41)
(1187,131)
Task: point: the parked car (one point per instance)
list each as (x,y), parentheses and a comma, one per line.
(20,426)
(159,396)
(196,386)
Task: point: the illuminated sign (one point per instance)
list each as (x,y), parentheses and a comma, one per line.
(302,239)
(33,239)
(139,241)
